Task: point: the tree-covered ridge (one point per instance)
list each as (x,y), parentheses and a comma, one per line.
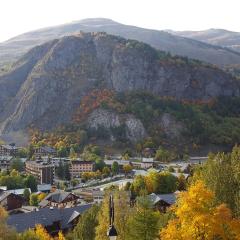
(215,121)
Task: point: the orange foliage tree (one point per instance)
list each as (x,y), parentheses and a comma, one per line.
(198,218)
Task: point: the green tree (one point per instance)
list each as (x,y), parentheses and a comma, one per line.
(144,223)
(163,155)
(31,182)
(115,167)
(26,194)
(221,174)
(33,199)
(87,224)
(17,164)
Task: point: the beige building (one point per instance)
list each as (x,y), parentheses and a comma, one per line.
(77,167)
(44,172)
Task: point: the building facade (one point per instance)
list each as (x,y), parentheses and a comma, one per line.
(76,167)
(11,201)
(43,171)
(8,150)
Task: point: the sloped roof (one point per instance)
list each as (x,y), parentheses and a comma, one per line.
(74,215)
(48,149)
(169,198)
(57,196)
(4,195)
(45,217)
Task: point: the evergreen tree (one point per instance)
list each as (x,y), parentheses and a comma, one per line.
(115,168)
(144,223)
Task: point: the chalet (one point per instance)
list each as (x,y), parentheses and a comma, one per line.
(45,151)
(163,201)
(11,201)
(59,199)
(52,219)
(91,195)
(147,163)
(8,150)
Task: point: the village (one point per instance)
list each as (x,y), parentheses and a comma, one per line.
(59,204)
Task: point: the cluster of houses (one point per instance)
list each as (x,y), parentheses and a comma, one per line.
(60,210)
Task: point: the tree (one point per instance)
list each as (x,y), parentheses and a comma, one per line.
(144,223)
(122,213)
(163,155)
(26,194)
(127,169)
(33,200)
(106,171)
(31,182)
(41,196)
(6,233)
(41,233)
(17,165)
(198,217)
(73,154)
(85,228)
(138,186)
(115,167)
(221,174)
(182,183)
(67,174)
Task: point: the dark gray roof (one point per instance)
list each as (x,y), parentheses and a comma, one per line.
(45,217)
(48,149)
(169,198)
(58,196)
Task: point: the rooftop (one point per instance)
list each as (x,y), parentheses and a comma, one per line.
(46,217)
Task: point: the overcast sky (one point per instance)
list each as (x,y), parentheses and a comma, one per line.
(19,16)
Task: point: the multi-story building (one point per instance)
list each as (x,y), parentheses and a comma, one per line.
(77,167)
(8,150)
(45,151)
(43,171)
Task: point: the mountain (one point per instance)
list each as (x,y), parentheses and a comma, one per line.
(220,37)
(176,45)
(45,87)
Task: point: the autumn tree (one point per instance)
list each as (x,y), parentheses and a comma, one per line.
(122,212)
(6,233)
(127,169)
(199,218)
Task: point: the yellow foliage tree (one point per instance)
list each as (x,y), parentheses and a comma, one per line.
(42,234)
(198,218)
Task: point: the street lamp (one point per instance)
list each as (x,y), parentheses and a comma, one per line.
(112,232)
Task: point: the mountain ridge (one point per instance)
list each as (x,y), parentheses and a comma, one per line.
(15,47)
(51,79)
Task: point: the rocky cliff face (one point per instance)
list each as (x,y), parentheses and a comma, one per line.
(109,120)
(47,84)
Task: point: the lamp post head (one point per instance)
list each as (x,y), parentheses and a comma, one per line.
(112,233)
